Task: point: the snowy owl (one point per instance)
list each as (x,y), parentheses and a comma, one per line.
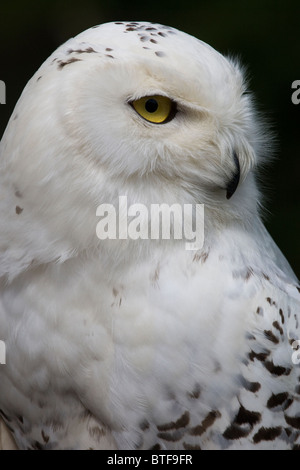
(136,342)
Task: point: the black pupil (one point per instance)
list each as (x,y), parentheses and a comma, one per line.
(151,105)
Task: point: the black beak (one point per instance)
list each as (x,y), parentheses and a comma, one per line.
(233,183)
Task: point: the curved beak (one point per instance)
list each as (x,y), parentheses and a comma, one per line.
(233,183)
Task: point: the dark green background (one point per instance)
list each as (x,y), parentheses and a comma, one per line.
(263,34)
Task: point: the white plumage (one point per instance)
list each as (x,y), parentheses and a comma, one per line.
(139,344)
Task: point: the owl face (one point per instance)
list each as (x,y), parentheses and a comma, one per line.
(135,109)
(199,118)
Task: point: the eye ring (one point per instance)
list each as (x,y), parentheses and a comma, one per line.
(157,109)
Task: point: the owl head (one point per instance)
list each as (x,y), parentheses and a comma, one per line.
(136,109)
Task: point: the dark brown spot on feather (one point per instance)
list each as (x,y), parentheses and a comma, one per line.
(247,417)
(187,446)
(235,432)
(18,194)
(250,386)
(206,423)
(271,302)
(110,56)
(276,370)
(270,336)
(293,421)
(153,40)
(155,447)
(266,434)
(260,311)
(278,327)
(254,387)
(108,49)
(170,436)
(281,315)
(62,64)
(259,356)
(162,34)
(180,423)
(276,400)
(19,210)
(88,50)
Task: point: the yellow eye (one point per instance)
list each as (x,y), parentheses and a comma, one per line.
(157,109)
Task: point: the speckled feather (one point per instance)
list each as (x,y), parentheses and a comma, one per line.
(140,344)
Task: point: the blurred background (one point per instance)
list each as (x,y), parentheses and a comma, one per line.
(264,34)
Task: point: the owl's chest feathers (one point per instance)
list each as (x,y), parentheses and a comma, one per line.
(162,326)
